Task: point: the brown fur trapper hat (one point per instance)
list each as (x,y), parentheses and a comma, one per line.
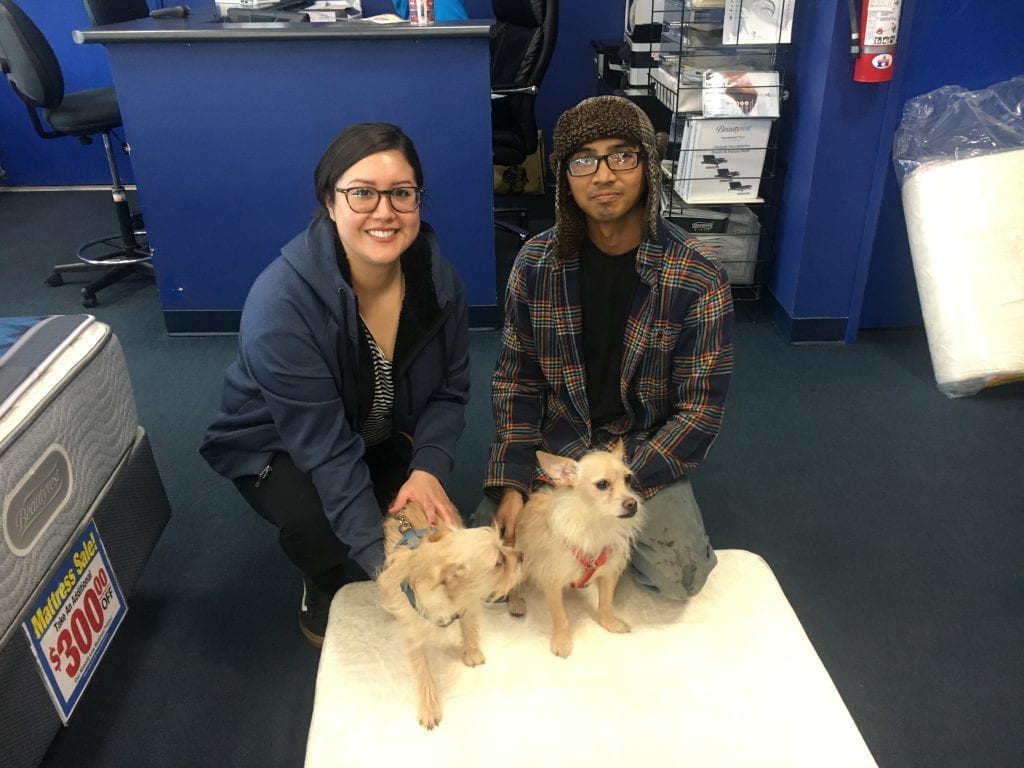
(601,117)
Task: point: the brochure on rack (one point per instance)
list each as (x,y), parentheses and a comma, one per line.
(732,93)
(758,22)
(722,160)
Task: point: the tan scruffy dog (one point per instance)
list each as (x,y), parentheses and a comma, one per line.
(435,575)
(581,529)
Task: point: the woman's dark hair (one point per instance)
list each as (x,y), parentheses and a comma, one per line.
(352,145)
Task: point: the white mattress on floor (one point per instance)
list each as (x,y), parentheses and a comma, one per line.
(966,235)
(728,678)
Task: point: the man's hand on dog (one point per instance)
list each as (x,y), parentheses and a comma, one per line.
(509,507)
(425,489)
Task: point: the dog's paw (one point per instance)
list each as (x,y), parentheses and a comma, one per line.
(473,657)
(429,715)
(561,645)
(615,624)
(516,605)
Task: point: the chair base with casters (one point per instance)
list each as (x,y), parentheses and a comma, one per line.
(118,256)
(35,76)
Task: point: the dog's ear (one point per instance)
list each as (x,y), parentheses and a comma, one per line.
(619,450)
(452,573)
(560,470)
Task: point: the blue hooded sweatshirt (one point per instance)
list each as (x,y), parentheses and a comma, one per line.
(294,386)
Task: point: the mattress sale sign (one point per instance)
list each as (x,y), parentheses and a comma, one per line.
(74,619)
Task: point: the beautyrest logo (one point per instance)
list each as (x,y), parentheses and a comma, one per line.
(37,500)
(701,226)
(733,129)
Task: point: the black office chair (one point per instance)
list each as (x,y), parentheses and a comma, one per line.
(115,11)
(522,41)
(34,73)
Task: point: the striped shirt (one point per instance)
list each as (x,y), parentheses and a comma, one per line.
(377,426)
(676,364)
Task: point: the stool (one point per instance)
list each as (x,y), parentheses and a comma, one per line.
(35,75)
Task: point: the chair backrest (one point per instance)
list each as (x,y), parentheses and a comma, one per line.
(115,11)
(28,60)
(522,42)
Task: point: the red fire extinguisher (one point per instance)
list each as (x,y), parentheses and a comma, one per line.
(874,39)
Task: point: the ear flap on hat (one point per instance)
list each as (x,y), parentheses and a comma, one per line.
(660,142)
(553,163)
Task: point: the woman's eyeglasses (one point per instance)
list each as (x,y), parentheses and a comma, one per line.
(587,165)
(366,199)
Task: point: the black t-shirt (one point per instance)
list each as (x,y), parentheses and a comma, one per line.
(607,286)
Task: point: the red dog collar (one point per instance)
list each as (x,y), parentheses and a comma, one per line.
(590,565)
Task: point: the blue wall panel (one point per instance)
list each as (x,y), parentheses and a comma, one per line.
(830,134)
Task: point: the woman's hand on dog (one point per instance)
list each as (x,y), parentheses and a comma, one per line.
(425,489)
(505,516)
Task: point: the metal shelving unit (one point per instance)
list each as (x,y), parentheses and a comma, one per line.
(720,76)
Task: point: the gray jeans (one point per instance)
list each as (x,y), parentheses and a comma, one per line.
(672,554)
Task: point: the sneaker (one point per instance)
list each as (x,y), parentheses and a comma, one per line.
(316,605)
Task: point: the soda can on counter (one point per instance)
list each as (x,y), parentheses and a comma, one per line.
(421,12)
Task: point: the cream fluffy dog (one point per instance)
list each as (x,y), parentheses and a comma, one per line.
(578,530)
(435,576)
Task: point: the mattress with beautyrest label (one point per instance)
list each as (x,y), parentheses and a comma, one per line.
(67,420)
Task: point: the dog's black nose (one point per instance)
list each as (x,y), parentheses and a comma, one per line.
(628,507)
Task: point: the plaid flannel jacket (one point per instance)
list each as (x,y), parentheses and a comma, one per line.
(677,363)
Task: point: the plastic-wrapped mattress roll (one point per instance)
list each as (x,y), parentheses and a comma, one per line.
(965,222)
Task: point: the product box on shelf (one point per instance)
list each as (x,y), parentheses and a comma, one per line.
(736,249)
(681,35)
(729,237)
(722,160)
(639,62)
(642,22)
(651,26)
(702,221)
(678,87)
(642,35)
(728,234)
(608,64)
(737,254)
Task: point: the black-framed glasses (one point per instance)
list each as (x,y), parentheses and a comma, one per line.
(587,165)
(366,199)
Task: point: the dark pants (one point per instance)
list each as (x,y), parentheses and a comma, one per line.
(287,498)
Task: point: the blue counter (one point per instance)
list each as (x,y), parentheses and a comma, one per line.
(227,121)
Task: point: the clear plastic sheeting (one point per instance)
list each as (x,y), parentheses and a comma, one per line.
(952,123)
(959,157)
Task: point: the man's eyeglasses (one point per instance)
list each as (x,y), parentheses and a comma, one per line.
(366,199)
(587,165)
